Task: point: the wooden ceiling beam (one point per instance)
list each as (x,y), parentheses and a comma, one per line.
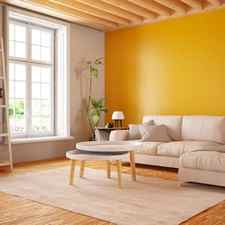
(214,2)
(196,4)
(75,13)
(112,9)
(37,7)
(91,11)
(176,5)
(108,15)
(153,6)
(130,7)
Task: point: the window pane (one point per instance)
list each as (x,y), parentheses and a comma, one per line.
(45,91)
(17,40)
(45,108)
(11,48)
(36,91)
(41,45)
(11,32)
(36,52)
(46,39)
(41,125)
(17,116)
(36,74)
(11,89)
(41,100)
(36,108)
(20,72)
(20,33)
(36,122)
(17,92)
(11,71)
(45,54)
(36,37)
(45,124)
(20,50)
(19,89)
(17,71)
(46,75)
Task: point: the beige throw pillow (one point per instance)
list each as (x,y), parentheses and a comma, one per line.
(154,133)
(134,130)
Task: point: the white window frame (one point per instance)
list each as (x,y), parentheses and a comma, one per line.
(62,68)
(29,62)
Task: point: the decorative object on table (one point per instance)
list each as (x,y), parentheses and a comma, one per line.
(109,125)
(103,133)
(1,92)
(95,107)
(118,117)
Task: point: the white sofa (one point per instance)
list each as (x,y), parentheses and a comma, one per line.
(197,149)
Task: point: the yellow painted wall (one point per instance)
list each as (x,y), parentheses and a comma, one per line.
(172,67)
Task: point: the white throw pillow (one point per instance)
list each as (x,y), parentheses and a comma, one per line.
(134,130)
(154,133)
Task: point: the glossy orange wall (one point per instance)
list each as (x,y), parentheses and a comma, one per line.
(172,67)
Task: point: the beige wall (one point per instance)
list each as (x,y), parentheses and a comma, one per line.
(87,44)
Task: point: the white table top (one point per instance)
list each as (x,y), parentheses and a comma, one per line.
(78,155)
(107,146)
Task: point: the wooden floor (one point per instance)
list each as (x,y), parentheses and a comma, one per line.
(18,211)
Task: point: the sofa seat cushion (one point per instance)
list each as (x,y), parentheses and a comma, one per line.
(204,160)
(177,148)
(148,148)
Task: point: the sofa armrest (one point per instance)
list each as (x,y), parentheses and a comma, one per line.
(119,135)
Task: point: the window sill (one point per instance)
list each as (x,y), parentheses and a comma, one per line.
(41,139)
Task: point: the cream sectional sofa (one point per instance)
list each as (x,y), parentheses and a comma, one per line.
(197,147)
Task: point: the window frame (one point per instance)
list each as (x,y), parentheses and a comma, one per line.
(29,62)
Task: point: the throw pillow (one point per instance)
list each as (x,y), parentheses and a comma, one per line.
(154,133)
(134,130)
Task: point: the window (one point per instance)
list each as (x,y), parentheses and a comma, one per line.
(31,79)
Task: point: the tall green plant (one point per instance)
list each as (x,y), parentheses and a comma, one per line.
(95,106)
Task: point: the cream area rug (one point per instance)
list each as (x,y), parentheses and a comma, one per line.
(149,201)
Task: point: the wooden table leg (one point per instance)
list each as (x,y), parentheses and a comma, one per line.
(109,169)
(82,165)
(132,165)
(72,171)
(119,171)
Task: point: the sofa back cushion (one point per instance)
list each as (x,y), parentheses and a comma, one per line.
(173,124)
(154,133)
(134,130)
(204,128)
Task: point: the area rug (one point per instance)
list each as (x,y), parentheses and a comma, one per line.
(149,201)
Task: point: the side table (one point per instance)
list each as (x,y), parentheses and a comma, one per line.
(102,133)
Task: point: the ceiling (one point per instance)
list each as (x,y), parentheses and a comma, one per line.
(110,15)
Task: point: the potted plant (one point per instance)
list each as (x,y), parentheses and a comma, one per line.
(95,107)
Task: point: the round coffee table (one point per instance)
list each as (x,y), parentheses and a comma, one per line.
(107,151)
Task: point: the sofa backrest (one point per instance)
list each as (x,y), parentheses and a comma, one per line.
(173,123)
(204,128)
